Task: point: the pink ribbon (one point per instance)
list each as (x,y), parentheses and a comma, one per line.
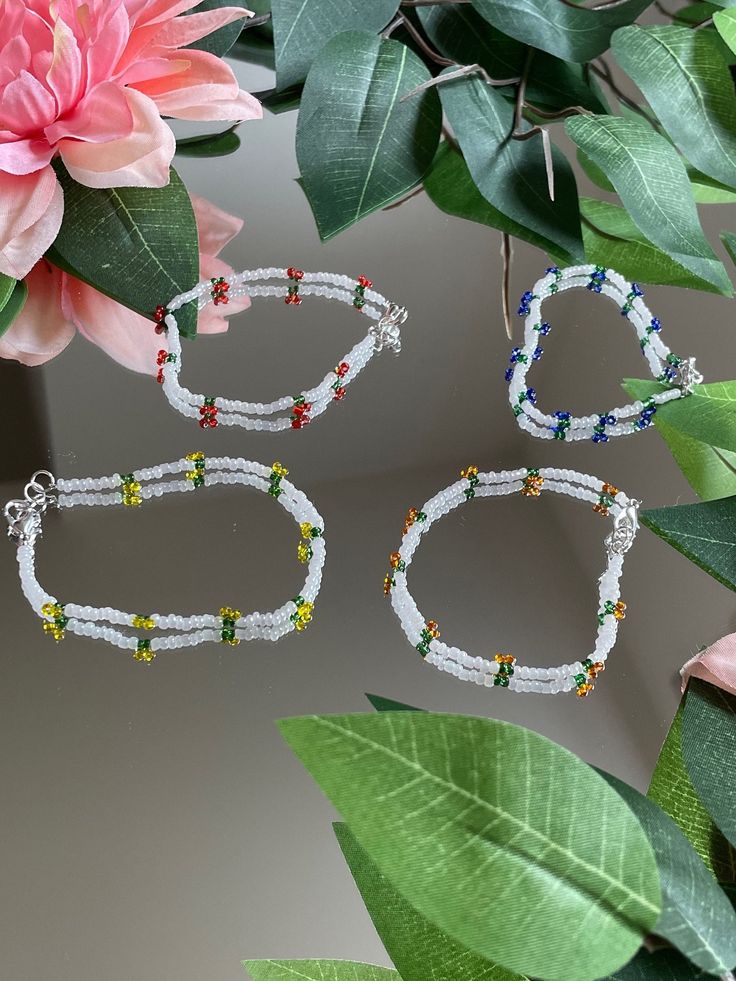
(716,664)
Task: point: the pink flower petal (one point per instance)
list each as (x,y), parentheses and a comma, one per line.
(100,117)
(139,160)
(206,90)
(716,664)
(64,76)
(26,105)
(41,331)
(216,227)
(15,55)
(127,337)
(185,30)
(24,156)
(113,34)
(143,12)
(31,208)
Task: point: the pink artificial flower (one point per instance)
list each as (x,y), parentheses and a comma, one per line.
(88,80)
(716,664)
(58,305)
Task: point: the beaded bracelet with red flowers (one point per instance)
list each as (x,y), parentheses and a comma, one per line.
(293,286)
(678,376)
(502,669)
(169,631)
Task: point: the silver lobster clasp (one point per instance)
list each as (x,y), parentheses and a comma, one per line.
(689,376)
(625,527)
(387,331)
(23,515)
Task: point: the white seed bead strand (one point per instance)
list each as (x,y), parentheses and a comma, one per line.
(289,411)
(132,490)
(664,366)
(503,671)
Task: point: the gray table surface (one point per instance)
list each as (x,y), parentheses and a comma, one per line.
(154,825)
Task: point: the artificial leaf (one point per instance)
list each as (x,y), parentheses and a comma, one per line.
(687,83)
(255,49)
(460,33)
(418,949)
(704,533)
(358,145)
(672,789)
(478,822)
(651,180)
(725,23)
(709,191)
(382,704)
(137,245)
(573,33)
(709,751)
(696,918)
(221,40)
(451,188)
(209,144)
(710,470)
(612,239)
(729,241)
(511,174)
(278,102)
(709,414)
(302,27)
(318,970)
(659,965)
(13,295)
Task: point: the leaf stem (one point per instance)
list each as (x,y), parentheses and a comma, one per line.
(459,73)
(507,254)
(525,134)
(428,50)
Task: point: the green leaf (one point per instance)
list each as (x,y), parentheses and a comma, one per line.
(612,239)
(575,34)
(318,970)
(687,83)
(709,414)
(653,185)
(277,102)
(451,188)
(510,174)
(480,823)
(725,22)
(221,40)
(661,965)
(418,948)
(255,49)
(302,27)
(13,296)
(672,789)
(137,245)
(460,33)
(711,470)
(382,704)
(697,918)
(709,751)
(358,146)
(708,191)
(729,240)
(209,144)
(694,13)
(704,533)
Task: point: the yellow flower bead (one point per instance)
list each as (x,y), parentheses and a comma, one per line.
(143,623)
(194,456)
(279,469)
(583,690)
(303,552)
(306,529)
(469,472)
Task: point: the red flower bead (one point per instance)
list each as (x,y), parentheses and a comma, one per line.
(342,369)
(160,376)
(161,357)
(294,273)
(339,394)
(160,313)
(296,424)
(365,282)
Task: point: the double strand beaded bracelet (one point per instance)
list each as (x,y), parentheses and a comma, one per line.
(229,626)
(503,671)
(678,373)
(290,411)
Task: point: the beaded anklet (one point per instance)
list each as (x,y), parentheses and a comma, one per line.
(290,411)
(679,373)
(503,671)
(229,626)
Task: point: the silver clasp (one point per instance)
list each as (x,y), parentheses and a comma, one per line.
(625,527)
(689,376)
(386,332)
(24,514)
